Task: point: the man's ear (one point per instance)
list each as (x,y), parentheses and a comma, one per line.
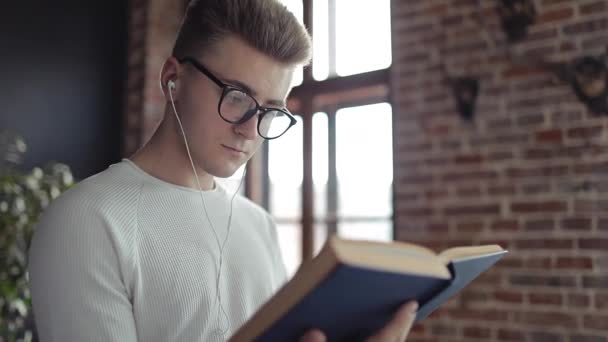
(169,75)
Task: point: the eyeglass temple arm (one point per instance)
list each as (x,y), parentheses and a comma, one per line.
(202,69)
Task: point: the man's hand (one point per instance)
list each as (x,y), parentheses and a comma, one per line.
(396,330)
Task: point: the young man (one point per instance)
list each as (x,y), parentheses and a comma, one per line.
(153,249)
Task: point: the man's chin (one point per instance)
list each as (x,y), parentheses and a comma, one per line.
(225,172)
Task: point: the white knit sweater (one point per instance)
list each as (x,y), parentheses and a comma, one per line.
(124,256)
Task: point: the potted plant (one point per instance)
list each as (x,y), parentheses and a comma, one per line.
(23,197)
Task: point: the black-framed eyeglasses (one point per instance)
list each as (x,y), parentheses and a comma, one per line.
(236,106)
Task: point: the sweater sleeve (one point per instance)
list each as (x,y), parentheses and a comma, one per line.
(78,289)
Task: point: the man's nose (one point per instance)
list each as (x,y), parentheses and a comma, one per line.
(249,128)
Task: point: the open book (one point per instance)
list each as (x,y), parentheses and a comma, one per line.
(353,288)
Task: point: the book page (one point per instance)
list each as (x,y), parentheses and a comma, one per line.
(456,253)
(395,257)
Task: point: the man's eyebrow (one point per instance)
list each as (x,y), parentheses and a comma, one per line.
(250,91)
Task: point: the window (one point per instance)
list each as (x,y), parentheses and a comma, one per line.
(313,174)
(297,8)
(285,161)
(364,165)
(343,45)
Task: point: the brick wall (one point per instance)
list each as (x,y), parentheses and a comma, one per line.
(152,28)
(530,172)
(136,63)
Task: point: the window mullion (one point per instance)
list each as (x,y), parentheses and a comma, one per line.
(308,20)
(307,184)
(332,180)
(331,16)
(265,176)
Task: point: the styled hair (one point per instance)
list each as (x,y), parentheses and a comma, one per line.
(266,25)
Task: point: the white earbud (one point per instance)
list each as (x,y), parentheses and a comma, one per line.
(171,85)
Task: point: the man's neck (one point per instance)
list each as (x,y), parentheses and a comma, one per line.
(165,158)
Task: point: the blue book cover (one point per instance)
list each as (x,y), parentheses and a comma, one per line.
(353,288)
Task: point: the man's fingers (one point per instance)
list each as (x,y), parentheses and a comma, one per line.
(410,316)
(315,335)
(398,328)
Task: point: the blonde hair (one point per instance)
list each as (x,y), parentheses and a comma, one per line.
(266,25)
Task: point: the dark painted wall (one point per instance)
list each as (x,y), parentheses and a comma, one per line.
(62,72)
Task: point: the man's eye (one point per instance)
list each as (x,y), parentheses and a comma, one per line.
(235,98)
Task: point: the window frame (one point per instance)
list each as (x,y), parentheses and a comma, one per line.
(306,99)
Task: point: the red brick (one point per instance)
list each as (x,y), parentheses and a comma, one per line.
(594,244)
(539,225)
(468,159)
(599,322)
(578,300)
(588,338)
(510,262)
(547,319)
(542,35)
(578,224)
(538,153)
(479,315)
(416,179)
(407,197)
(539,262)
(595,7)
(591,206)
(417,211)
(543,281)
(567,47)
(464,3)
(491,279)
(501,139)
(555,15)
(520,72)
(470,227)
(499,190)
(591,168)
(510,335)
(437,228)
(465,176)
(578,263)
(440,329)
(595,282)
(545,299)
(483,209)
(435,194)
(437,9)
(545,171)
(415,147)
(499,156)
(594,42)
(565,117)
(542,336)
(508,296)
(536,188)
(588,26)
(601,301)
(544,244)
(585,132)
(476,332)
(550,136)
(437,162)
(506,225)
(553,2)
(471,191)
(532,119)
(452,20)
(536,207)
